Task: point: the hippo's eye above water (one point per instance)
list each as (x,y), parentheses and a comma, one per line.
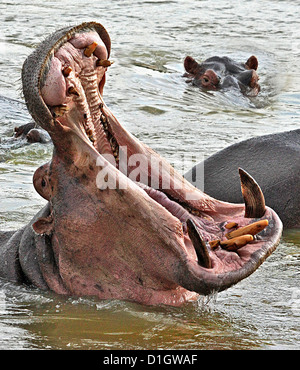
(205,79)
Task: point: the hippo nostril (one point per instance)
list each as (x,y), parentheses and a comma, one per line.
(43,183)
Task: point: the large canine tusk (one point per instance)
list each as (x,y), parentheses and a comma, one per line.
(199,244)
(254,199)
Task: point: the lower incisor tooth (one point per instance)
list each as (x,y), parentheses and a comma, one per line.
(252,229)
(231,225)
(236,243)
(214,244)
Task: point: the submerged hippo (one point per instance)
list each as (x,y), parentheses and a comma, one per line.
(217,73)
(114,228)
(32,133)
(274,162)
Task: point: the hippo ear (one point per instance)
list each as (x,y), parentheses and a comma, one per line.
(190,65)
(252,63)
(43,225)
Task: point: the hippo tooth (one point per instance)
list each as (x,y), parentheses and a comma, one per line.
(73,91)
(251,229)
(89,131)
(104,63)
(66,71)
(103,118)
(231,225)
(236,243)
(199,244)
(214,243)
(253,196)
(90,49)
(59,110)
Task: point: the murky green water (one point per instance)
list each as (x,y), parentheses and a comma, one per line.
(146,92)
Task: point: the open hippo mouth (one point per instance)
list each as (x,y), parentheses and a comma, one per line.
(121,222)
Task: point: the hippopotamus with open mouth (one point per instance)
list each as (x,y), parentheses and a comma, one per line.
(219,73)
(111,228)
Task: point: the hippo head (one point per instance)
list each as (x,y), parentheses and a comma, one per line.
(121,222)
(218,73)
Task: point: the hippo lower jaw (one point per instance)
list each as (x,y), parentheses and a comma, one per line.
(104,234)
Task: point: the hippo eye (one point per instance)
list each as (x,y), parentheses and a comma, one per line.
(205,79)
(43,183)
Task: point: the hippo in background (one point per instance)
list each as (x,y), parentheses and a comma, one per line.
(32,133)
(217,73)
(29,132)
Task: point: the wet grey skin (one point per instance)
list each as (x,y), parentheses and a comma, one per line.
(137,243)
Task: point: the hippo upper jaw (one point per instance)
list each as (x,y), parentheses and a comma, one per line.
(112,235)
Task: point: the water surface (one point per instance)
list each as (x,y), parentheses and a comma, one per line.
(147,93)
